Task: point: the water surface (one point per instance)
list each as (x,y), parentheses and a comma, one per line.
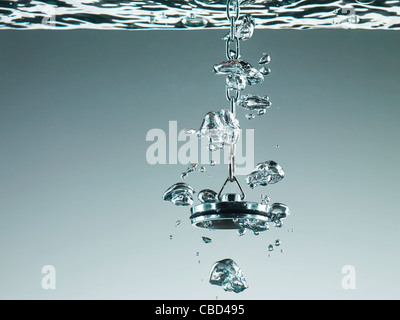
(194,14)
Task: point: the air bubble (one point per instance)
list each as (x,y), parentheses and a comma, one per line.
(194,21)
(266,58)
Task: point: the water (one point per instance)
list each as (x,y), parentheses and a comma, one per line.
(232,67)
(254,77)
(271,246)
(192,167)
(254,102)
(245,29)
(268,172)
(184,175)
(195,14)
(179,194)
(265,199)
(278,211)
(266,58)
(240,68)
(254,225)
(228,275)
(221,128)
(275,212)
(194,21)
(265,71)
(207,195)
(236,81)
(278,224)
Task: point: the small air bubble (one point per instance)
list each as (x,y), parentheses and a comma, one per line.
(278,224)
(192,167)
(265,199)
(266,58)
(250,116)
(265,71)
(206,240)
(260,112)
(184,175)
(193,21)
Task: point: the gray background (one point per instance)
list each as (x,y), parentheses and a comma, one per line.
(77,193)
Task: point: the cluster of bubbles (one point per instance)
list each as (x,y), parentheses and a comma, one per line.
(221,128)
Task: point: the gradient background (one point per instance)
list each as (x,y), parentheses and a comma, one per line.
(77,193)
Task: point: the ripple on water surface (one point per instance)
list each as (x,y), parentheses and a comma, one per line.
(194,14)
